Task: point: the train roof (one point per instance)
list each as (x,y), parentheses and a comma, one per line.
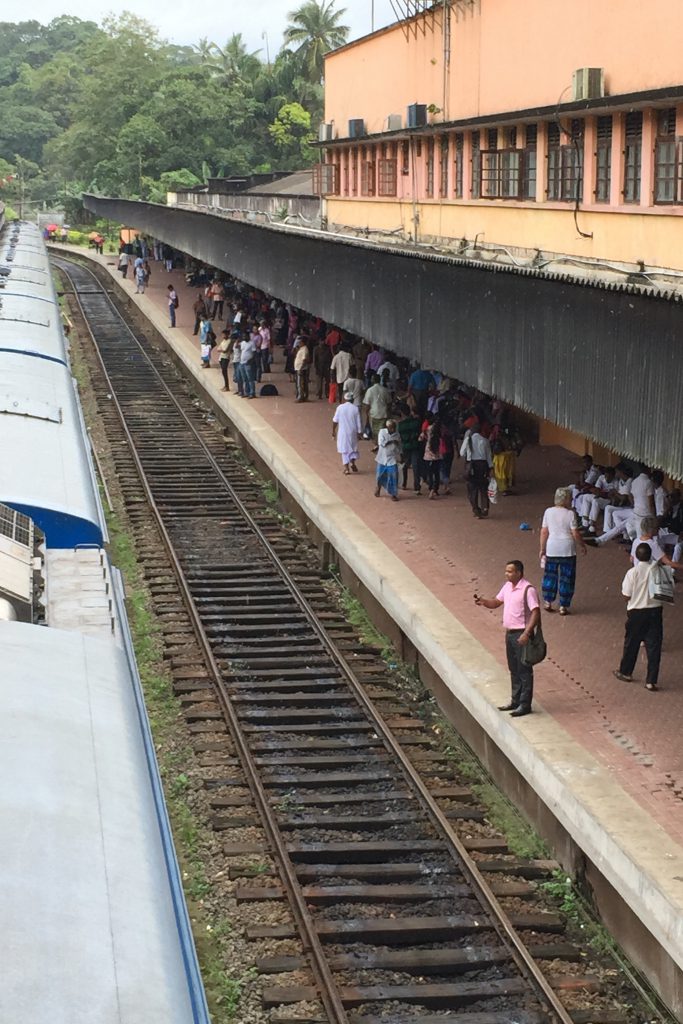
(93,921)
(45,464)
(30,322)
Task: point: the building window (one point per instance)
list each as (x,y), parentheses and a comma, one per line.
(354,172)
(489,173)
(476,165)
(443,170)
(565,162)
(326,179)
(458,168)
(667,159)
(501,169)
(367,177)
(345,173)
(603,160)
(529,163)
(633,150)
(387,176)
(429,187)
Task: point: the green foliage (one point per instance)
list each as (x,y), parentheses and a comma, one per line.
(117,110)
(291,132)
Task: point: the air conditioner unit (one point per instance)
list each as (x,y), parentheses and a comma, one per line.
(326,131)
(588,84)
(394,123)
(417,115)
(357,128)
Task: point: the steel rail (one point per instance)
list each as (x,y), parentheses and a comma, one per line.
(328,990)
(500,920)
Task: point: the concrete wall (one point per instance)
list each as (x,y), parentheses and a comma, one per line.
(305,209)
(505,55)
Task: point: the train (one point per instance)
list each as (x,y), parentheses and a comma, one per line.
(93,919)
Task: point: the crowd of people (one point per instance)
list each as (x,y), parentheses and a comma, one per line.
(418,422)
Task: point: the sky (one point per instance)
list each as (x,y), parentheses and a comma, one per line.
(215,20)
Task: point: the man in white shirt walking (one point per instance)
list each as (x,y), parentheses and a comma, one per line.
(477,451)
(643,620)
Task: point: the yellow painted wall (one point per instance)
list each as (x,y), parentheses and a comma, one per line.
(506,55)
(636,234)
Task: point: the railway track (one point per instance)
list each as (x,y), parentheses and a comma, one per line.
(407,912)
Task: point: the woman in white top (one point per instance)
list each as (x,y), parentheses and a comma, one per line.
(559,537)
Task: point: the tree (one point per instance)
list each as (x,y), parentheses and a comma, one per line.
(314,30)
(291,132)
(233,63)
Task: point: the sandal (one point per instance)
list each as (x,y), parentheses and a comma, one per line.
(547,606)
(620,675)
(651,687)
(354,467)
(347,471)
(564,611)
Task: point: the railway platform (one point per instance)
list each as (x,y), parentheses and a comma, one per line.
(603,757)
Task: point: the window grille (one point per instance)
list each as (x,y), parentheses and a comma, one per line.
(633,151)
(529,163)
(668,163)
(354,172)
(443,169)
(476,165)
(459,154)
(565,163)
(603,160)
(326,179)
(387,177)
(367,178)
(15,525)
(429,187)
(501,173)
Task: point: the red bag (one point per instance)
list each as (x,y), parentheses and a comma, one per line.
(332,397)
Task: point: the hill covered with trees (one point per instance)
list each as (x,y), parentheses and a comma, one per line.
(115,109)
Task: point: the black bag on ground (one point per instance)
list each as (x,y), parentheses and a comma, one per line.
(268,391)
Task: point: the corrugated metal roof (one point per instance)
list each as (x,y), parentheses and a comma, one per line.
(300,183)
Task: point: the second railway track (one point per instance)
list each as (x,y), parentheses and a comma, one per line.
(404,915)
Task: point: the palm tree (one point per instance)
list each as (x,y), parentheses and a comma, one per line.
(314,30)
(232,62)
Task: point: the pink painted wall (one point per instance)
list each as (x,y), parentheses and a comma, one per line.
(505,55)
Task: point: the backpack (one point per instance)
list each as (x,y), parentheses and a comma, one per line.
(211,337)
(175,302)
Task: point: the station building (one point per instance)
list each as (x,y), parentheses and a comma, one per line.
(546,128)
(500,191)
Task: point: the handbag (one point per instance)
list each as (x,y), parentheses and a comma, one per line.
(535,649)
(660,583)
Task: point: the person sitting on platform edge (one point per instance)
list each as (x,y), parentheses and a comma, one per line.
(521,615)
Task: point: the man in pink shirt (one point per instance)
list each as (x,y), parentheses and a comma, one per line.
(521,615)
